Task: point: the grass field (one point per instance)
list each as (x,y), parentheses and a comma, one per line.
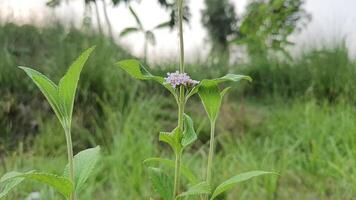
(297,118)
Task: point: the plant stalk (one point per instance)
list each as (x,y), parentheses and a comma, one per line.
(181,39)
(181,100)
(211,153)
(70,159)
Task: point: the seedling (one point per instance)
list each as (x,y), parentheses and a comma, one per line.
(61,98)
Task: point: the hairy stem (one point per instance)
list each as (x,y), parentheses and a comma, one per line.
(181,39)
(211,153)
(181,100)
(70,158)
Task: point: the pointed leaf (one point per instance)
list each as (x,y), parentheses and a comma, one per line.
(173,139)
(49,90)
(211,98)
(12,179)
(198,189)
(68,84)
(170,163)
(162,183)
(84,163)
(189,135)
(228,184)
(136,69)
(232,77)
(128,30)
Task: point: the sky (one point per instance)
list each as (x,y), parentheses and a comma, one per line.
(332,20)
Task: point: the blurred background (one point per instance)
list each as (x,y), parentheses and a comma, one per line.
(297,117)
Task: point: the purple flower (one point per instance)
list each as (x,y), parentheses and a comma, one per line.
(177,79)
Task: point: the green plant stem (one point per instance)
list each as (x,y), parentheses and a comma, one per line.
(181,105)
(211,153)
(181,100)
(70,159)
(181,39)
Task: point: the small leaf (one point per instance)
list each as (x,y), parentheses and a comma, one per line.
(189,135)
(84,163)
(162,183)
(173,139)
(170,163)
(49,90)
(228,184)
(198,189)
(68,84)
(136,69)
(12,179)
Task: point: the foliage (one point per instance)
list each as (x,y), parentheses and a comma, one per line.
(266,25)
(220,20)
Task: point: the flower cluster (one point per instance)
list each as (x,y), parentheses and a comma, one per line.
(177,79)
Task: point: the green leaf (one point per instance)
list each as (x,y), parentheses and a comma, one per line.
(211,98)
(210,94)
(228,184)
(12,179)
(61,98)
(173,139)
(68,84)
(128,30)
(170,163)
(198,189)
(232,77)
(189,135)
(136,69)
(49,90)
(162,183)
(84,163)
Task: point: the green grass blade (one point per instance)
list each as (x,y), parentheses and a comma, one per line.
(228,184)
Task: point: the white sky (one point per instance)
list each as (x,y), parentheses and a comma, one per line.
(331,20)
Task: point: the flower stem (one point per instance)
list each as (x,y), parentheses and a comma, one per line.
(70,159)
(181,39)
(181,100)
(211,153)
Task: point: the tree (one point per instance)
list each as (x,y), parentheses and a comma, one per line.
(148,34)
(219,18)
(266,25)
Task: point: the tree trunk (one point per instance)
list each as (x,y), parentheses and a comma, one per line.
(98,17)
(107,20)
